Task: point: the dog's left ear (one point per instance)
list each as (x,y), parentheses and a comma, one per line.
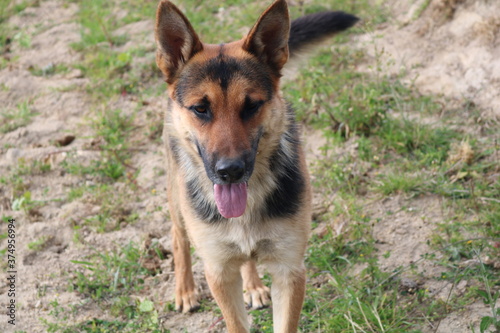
(268,39)
(176,40)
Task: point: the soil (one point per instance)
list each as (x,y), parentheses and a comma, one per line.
(452,49)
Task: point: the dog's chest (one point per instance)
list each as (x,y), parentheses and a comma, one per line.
(249,241)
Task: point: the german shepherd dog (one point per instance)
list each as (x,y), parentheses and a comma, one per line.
(238,185)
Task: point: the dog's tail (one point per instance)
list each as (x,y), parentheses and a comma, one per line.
(308,31)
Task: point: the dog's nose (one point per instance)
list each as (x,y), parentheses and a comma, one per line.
(230,170)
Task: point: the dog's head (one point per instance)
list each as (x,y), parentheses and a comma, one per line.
(224,98)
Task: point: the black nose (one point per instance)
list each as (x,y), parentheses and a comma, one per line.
(230,170)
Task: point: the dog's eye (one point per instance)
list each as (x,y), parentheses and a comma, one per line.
(250,108)
(202,111)
(200,108)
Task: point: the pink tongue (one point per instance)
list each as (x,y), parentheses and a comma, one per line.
(231,199)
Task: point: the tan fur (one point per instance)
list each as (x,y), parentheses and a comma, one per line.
(256,293)
(229,249)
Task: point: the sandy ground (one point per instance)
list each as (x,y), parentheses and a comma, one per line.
(452,50)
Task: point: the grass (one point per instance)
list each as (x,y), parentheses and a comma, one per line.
(49,70)
(114,202)
(110,69)
(23,39)
(13,118)
(384,140)
(397,153)
(39,244)
(114,212)
(339,301)
(112,131)
(110,279)
(110,274)
(395,182)
(106,69)
(98,22)
(9,35)
(18,184)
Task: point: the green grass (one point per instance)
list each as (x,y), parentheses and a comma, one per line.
(13,118)
(23,39)
(9,35)
(110,279)
(114,207)
(110,274)
(98,22)
(49,70)
(112,71)
(395,182)
(114,129)
(397,151)
(112,138)
(107,68)
(39,244)
(9,8)
(18,183)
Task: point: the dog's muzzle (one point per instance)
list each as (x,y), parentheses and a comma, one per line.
(230,170)
(231,193)
(230,177)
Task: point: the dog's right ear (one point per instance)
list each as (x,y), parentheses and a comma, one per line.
(175,39)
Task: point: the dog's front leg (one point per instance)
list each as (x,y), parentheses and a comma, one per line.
(186,299)
(256,294)
(226,284)
(287,294)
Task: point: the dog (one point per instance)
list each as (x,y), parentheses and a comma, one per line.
(237,181)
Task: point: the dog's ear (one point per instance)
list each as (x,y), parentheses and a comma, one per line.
(268,39)
(175,38)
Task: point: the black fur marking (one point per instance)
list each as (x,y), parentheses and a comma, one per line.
(250,108)
(315,27)
(223,69)
(204,209)
(285,199)
(208,161)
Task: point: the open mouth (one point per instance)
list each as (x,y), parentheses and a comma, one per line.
(231,199)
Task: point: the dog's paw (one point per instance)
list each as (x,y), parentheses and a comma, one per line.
(258,297)
(186,301)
